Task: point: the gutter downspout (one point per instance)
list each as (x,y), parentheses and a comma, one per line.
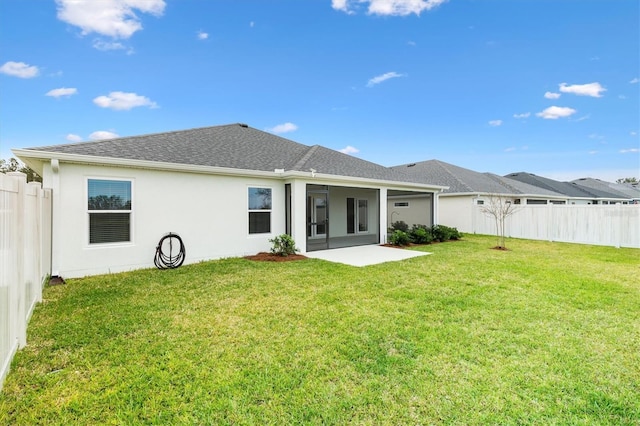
(56,210)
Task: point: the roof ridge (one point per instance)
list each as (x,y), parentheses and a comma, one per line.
(305,157)
(442,164)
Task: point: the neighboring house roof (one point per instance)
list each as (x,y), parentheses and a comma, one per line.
(232,146)
(462,181)
(623,190)
(567,188)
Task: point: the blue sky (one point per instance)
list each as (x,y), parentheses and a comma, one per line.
(549,87)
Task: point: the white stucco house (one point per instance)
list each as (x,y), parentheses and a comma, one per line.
(226,190)
(578,192)
(467,188)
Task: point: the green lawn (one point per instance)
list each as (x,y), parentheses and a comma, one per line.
(545,333)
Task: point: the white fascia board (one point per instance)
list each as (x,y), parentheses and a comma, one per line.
(351,180)
(35,163)
(489,194)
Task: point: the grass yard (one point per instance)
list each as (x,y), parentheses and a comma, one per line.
(545,333)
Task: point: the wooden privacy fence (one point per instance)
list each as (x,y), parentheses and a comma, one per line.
(25,259)
(609,225)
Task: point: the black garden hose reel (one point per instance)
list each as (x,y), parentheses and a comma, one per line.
(170,252)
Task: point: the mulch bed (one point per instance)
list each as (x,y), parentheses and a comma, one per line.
(270,257)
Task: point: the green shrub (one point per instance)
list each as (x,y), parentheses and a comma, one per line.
(420,234)
(399,238)
(283,245)
(400,225)
(455,234)
(445,233)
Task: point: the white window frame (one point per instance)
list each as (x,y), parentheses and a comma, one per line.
(90,212)
(250,210)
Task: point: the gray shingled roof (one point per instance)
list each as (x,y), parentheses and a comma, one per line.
(461,180)
(625,191)
(236,146)
(567,188)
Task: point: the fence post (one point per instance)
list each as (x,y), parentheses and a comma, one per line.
(550,221)
(21,326)
(618,217)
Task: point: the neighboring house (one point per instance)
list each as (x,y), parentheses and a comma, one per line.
(579,194)
(623,190)
(467,188)
(226,190)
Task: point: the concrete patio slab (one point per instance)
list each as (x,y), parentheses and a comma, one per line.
(364,255)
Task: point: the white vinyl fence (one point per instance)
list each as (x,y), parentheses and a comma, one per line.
(25,259)
(609,225)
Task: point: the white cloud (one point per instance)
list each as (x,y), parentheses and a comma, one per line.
(107,45)
(593,152)
(349,150)
(102,134)
(113,18)
(551,95)
(632,133)
(283,128)
(19,69)
(584,117)
(510,149)
(523,115)
(495,123)
(202,35)
(388,7)
(625,151)
(555,112)
(622,97)
(590,89)
(63,91)
(123,101)
(341,5)
(402,7)
(73,138)
(383,77)
(635,80)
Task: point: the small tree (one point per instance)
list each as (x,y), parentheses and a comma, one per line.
(499,208)
(14,165)
(631,180)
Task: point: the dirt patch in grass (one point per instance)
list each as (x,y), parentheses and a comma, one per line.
(270,257)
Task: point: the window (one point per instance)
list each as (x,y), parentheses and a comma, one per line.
(109,209)
(357,215)
(259,210)
(536,202)
(401,204)
(480,202)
